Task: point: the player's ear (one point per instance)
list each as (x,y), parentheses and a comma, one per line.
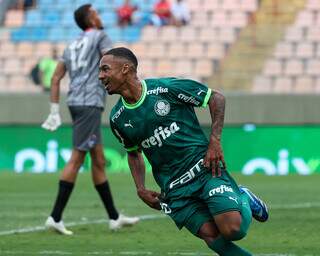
(125,68)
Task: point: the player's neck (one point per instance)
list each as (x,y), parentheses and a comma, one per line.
(133,92)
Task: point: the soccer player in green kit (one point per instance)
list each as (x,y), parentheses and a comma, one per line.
(157,116)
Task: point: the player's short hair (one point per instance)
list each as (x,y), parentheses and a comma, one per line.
(123,52)
(81,16)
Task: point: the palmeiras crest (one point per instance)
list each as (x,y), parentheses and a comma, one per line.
(162,107)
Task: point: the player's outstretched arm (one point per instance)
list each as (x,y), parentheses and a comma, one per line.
(137,167)
(214,153)
(54,121)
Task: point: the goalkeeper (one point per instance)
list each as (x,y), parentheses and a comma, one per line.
(86,100)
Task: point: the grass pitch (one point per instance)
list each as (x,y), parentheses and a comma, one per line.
(26,201)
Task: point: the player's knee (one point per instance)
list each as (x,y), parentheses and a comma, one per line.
(232,231)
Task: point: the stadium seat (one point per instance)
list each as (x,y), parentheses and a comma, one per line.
(25,50)
(43,49)
(156,50)
(262,84)
(188,34)
(227,35)
(248,5)
(140,49)
(67,19)
(215,51)
(282,85)
(313,67)
(313,5)
(313,34)
(219,19)
(211,5)
(317,85)
(294,34)
(57,34)
(176,51)
(284,50)
(11,66)
(238,19)
(304,50)
(208,35)
(14,18)
(183,68)
(304,19)
(293,67)
(304,84)
(114,33)
(199,19)
(164,68)
(149,33)
(146,68)
(195,51)
(194,5)
(272,68)
(7,49)
(51,18)
(33,18)
(131,34)
(109,18)
(20,34)
(168,34)
(230,5)
(203,68)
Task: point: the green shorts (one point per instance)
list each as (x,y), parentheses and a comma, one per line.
(198,201)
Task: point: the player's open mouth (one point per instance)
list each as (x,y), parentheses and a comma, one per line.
(106,84)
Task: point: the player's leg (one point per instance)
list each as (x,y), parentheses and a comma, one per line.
(258,207)
(203,226)
(100,181)
(66,184)
(81,139)
(102,186)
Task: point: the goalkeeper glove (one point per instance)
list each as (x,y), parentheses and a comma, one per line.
(53,121)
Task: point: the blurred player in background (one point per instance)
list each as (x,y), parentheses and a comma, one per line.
(86,101)
(157,116)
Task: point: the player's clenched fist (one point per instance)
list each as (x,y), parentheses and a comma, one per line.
(151,198)
(53,121)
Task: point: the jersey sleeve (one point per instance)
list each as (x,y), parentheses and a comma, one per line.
(127,144)
(104,43)
(189,92)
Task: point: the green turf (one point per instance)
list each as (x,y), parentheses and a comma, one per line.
(26,201)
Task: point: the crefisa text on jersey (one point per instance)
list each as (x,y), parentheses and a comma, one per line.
(157,90)
(160,134)
(187,99)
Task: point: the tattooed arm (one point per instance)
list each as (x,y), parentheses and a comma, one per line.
(214,153)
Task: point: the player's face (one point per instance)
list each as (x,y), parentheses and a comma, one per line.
(95,19)
(112,74)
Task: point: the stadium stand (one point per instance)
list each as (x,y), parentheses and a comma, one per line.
(295,62)
(214,27)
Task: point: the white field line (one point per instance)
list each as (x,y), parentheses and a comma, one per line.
(71,224)
(151,217)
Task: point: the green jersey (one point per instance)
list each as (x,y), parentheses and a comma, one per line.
(163,124)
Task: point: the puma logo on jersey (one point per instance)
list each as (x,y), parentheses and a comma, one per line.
(200,91)
(233,199)
(160,134)
(128,124)
(221,189)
